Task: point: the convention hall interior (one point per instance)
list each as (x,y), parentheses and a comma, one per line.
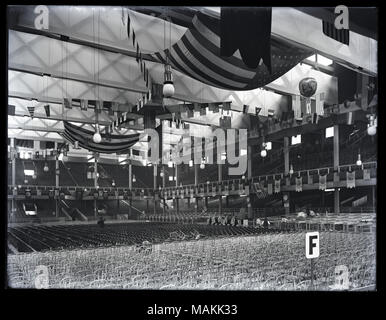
(192,147)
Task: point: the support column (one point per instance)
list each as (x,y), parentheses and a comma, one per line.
(177,200)
(286,172)
(155,171)
(220,180)
(130,185)
(374,197)
(249,175)
(336,166)
(163,186)
(57,172)
(13,172)
(196,184)
(95,183)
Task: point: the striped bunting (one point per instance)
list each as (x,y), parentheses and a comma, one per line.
(109,144)
(197,54)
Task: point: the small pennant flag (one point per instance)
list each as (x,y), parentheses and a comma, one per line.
(226,105)
(299,184)
(83,104)
(322,182)
(47,110)
(67,103)
(31,111)
(350,179)
(277,185)
(315,118)
(11,110)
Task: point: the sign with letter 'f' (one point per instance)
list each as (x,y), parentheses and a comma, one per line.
(312,245)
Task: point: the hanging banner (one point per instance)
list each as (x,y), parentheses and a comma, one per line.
(322,182)
(226,192)
(296,107)
(299,184)
(277,185)
(366,174)
(213,190)
(270,188)
(319,101)
(350,179)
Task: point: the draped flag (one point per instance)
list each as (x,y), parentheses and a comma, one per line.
(350,179)
(341,35)
(322,182)
(277,185)
(249,31)
(198,54)
(117,143)
(299,184)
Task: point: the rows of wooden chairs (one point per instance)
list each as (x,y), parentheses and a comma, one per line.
(256,262)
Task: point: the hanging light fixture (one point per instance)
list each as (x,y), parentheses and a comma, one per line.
(168,88)
(359,161)
(113,183)
(190,163)
(97,138)
(34,176)
(134,179)
(46,168)
(202,165)
(170,178)
(161,174)
(372,126)
(263,153)
(291,170)
(25,181)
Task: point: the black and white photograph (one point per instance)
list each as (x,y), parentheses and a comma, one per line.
(191,148)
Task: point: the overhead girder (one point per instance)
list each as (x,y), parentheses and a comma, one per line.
(288,24)
(188,89)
